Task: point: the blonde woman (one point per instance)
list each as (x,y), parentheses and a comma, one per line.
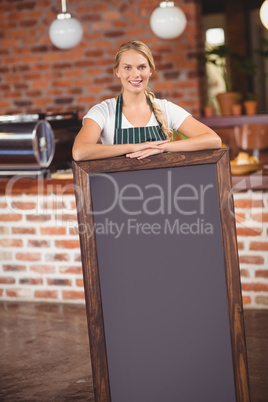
(136,124)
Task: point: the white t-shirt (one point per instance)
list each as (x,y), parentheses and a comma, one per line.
(104,115)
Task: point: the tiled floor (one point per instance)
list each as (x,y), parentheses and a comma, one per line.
(45,353)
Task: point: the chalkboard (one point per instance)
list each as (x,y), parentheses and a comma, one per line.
(161,278)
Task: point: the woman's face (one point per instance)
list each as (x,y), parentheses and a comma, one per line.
(134,71)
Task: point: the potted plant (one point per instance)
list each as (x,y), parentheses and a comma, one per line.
(237,106)
(209,110)
(217,55)
(247,66)
(250,104)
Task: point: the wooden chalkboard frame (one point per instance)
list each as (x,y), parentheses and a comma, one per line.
(82,171)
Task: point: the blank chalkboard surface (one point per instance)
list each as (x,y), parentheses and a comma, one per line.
(162,279)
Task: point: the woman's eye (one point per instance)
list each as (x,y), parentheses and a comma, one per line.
(142,67)
(127,68)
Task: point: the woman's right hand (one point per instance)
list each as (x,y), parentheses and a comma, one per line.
(146,149)
(146,145)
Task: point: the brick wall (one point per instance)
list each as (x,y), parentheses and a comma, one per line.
(251,208)
(37,77)
(40,255)
(39,245)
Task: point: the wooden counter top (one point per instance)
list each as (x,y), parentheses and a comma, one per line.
(26,185)
(232,121)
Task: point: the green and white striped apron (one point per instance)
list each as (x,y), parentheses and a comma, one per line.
(134,135)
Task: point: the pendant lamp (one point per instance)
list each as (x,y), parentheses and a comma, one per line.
(264,13)
(65,32)
(168,21)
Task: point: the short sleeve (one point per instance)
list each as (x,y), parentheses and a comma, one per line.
(98,114)
(175,114)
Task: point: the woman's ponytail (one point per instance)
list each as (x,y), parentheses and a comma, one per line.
(159,114)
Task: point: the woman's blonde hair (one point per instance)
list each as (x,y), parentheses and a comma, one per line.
(142,48)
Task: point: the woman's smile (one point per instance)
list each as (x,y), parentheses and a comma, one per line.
(135,83)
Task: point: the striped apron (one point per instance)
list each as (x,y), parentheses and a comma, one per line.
(135,135)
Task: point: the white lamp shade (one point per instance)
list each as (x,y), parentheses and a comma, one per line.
(168,22)
(65,33)
(264,14)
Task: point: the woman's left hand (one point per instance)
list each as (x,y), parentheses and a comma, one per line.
(145,153)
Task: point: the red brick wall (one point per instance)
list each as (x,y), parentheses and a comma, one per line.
(37,77)
(40,254)
(39,246)
(251,209)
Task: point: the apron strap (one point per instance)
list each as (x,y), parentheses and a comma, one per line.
(118,111)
